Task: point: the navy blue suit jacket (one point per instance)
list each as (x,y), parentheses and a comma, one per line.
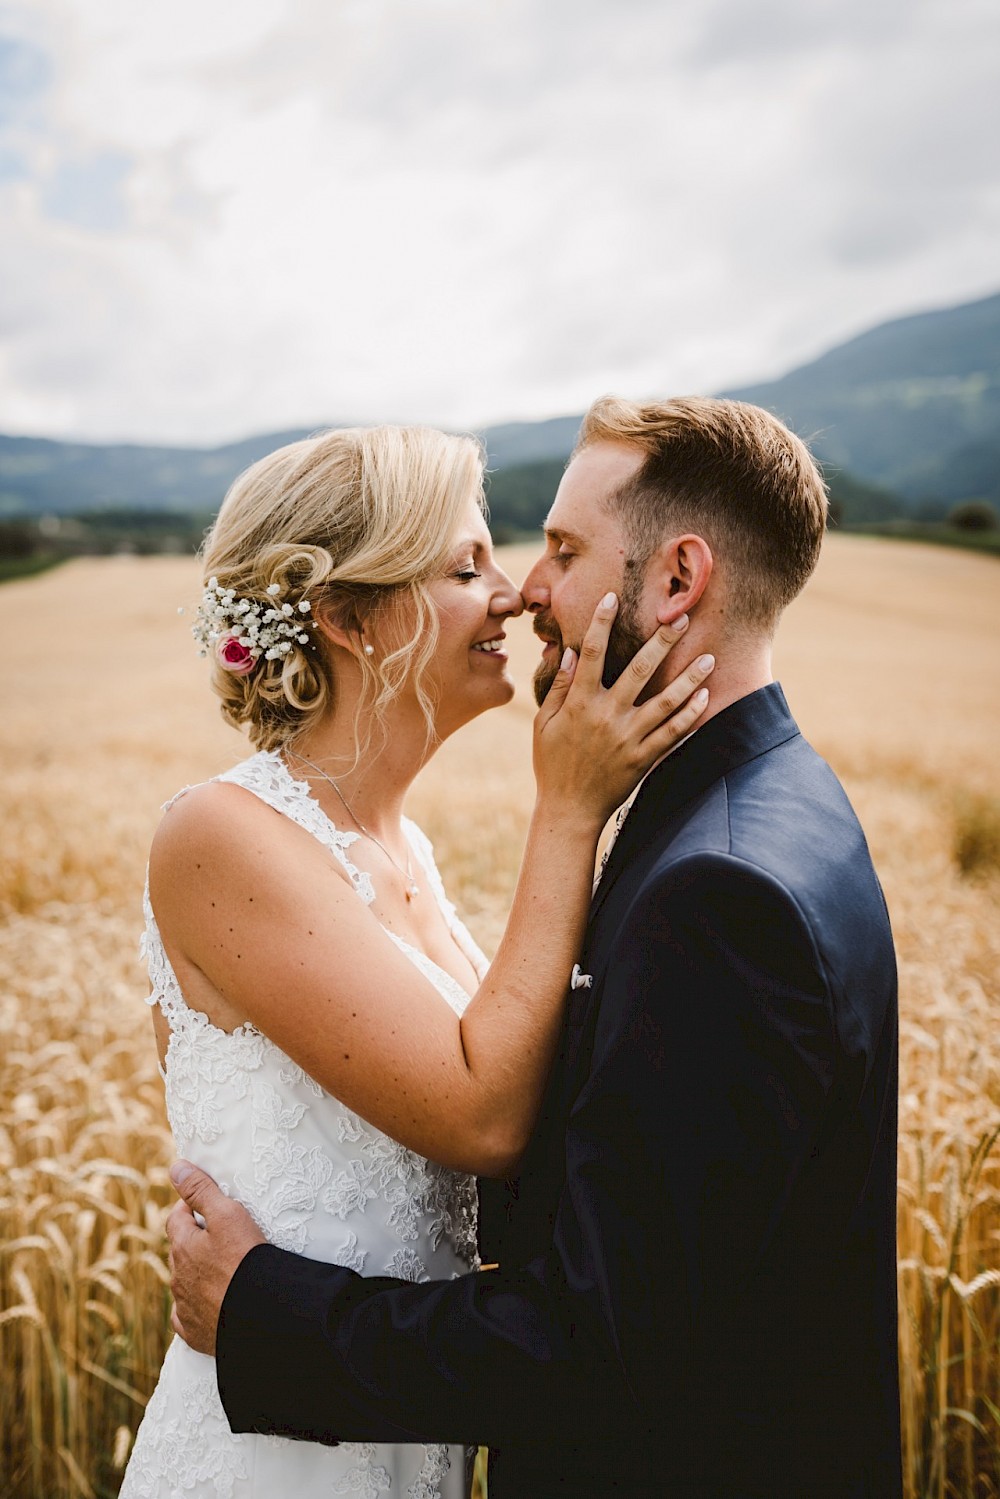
(697,1289)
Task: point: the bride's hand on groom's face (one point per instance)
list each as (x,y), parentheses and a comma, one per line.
(203,1260)
(593,744)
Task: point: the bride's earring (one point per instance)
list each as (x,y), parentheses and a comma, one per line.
(369,650)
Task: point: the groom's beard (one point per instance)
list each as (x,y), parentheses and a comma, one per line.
(623,642)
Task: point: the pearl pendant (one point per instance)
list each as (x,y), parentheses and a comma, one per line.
(411,891)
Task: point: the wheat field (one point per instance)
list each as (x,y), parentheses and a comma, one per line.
(890,662)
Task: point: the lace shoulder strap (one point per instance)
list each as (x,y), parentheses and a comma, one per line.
(267,776)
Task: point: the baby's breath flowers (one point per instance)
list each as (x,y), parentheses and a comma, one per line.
(242,631)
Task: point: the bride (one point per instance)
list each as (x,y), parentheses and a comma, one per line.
(337,1051)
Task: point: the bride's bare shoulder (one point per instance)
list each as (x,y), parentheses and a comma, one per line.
(216,822)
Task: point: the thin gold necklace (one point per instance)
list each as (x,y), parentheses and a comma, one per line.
(412,888)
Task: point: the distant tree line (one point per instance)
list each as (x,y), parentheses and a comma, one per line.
(519,499)
(29,544)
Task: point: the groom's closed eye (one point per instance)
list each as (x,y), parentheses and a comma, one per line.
(557,537)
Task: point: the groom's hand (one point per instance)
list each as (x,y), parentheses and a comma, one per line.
(204,1260)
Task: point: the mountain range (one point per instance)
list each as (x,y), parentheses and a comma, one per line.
(909,411)
(912,405)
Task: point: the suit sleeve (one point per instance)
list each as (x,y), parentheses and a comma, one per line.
(710,1070)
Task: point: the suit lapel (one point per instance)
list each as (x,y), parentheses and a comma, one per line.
(747,728)
(740,733)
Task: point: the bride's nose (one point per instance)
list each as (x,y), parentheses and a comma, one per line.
(506,598)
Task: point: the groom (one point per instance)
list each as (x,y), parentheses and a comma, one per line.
(695,1293)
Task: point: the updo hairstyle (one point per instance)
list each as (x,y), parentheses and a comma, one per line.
(357,521)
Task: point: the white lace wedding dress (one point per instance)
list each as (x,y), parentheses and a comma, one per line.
(320,1181)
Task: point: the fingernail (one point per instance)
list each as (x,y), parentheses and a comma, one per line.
(609,601)
(680,624)
(705,663)
(700,697)
(567,658)
(179,1173)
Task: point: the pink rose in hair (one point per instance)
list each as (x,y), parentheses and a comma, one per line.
(234,657)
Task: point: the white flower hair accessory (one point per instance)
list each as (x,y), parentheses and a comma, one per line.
(242,631)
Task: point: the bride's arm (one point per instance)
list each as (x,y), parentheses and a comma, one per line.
(259,908)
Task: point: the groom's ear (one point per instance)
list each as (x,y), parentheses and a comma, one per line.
(677,575)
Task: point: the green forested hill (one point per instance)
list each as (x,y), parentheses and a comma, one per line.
(913,405)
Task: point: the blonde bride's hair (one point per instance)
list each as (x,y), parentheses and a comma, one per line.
(357,521)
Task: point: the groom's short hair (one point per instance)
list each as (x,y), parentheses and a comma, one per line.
(729,472)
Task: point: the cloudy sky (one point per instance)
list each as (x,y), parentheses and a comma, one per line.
(226,216)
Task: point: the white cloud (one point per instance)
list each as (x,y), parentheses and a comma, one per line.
(263,214)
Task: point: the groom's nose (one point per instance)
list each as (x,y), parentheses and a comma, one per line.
(534,590)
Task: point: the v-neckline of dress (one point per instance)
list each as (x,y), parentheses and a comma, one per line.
(416,954)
